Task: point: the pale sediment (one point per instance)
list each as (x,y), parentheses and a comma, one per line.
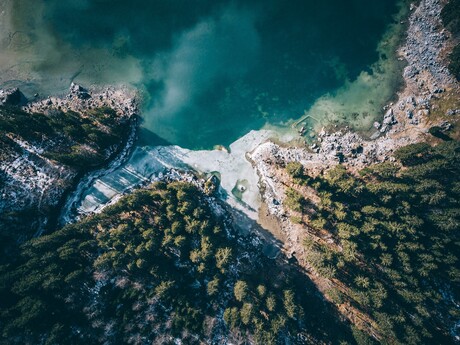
(148,164)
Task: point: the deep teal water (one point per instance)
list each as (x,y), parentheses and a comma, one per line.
(212,70)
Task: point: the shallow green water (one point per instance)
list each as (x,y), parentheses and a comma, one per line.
(211,70)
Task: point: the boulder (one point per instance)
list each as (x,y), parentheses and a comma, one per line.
(75,88)
(451,112)
(389,118)
(211,185)
(12,97)
(78,91)
(446,126)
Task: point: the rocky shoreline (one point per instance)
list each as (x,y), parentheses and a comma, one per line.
(120,98)
(407,121)
(428,83)
(427,80)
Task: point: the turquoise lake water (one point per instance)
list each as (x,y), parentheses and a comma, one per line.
(210,70)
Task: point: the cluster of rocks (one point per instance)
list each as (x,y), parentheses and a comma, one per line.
(415,109)
(452,112)
(409,108)
(426,75)
(78,91)
(79,99)
(11,97)
(388,121)
(426,39)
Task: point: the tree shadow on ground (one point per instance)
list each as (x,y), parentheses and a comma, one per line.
(322,320)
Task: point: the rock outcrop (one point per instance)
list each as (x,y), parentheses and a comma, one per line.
(12,97)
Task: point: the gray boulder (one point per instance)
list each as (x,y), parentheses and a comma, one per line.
(12,97)
(78,91)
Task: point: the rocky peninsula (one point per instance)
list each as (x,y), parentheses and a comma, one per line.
(68,138)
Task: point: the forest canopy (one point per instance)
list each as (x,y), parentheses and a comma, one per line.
(156,266)
(396,239)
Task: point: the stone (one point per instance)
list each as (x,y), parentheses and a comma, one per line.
(446,126)
(452,112)
(78,91)
(389,118)
(12,97)
(74,88)
(411,100)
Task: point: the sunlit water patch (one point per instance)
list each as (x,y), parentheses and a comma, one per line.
(210,71)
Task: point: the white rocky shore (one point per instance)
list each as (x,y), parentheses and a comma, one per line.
(120,98)
(407,121)
(30,180)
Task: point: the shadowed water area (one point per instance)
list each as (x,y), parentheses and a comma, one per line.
(211,71)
